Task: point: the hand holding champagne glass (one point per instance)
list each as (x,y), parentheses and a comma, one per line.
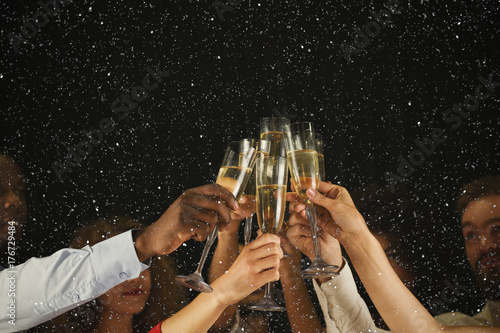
(234,174)
(271,180)
(301,146)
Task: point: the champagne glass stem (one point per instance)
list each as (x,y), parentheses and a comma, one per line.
(267,290)
(311,216)
(248,229)
(208,245)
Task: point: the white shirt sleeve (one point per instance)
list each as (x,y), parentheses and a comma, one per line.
(343,308)
(43,288)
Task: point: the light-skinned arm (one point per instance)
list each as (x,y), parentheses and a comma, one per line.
(399,308)
(256,265)
(226,252)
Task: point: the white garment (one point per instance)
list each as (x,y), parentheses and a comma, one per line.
(346,312)
(343,308)
(489,316)
(43,288)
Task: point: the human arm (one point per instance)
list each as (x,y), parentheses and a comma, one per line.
(44,288)
(226,252)
(257,264)
(299,306)
(192,216)
(47,287)
(343,308)
(401,311)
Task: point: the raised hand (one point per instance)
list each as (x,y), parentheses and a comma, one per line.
(192,216)
(299,234)
(338,216)
(257,264)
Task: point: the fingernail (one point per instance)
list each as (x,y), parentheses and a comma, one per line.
(311,192)
(237,206)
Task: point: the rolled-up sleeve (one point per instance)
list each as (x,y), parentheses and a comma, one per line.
(343,308)
(44,288)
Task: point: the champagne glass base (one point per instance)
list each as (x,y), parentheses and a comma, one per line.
(319,268)
(266,304)
(195,282)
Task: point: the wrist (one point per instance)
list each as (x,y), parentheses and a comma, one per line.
(141,245)
(221,298)
(358,244)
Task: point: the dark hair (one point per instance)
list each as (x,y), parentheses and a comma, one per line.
(166,296)
(482,187)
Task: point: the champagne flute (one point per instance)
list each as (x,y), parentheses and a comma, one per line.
(321,157)
(271,128)
(303,163)
(271,180)
(234,174)
(250,191)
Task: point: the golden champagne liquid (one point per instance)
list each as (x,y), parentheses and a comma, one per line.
(234,178)
(271,202)
(250,193)
(322,171)
(277,147)
(304,167)
(250,204)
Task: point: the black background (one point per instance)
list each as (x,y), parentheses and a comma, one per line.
(224,76)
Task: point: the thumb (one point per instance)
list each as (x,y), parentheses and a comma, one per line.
(345,218)
(335,208)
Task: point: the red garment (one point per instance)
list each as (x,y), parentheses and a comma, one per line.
(156,329)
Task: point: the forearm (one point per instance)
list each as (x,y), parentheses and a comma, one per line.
(47,287)
(197,316)
(398,307)
(299,306)
(225,254)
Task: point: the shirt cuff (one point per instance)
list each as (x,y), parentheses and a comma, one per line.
(116,260)
(339,290)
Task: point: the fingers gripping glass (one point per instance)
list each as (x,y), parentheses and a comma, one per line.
(234,174)
(271,180)
(301,146)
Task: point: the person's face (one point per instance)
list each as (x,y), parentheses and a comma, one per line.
(481,231)
(12,200)
(129,297)
(393,254)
